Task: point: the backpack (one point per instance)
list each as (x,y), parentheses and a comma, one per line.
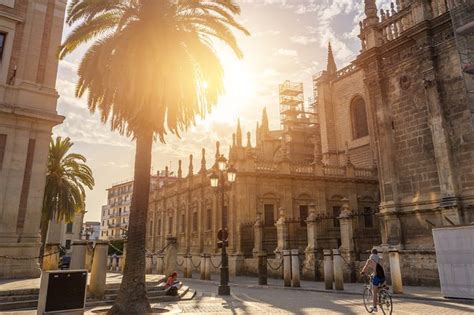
(379,272)
(172,291)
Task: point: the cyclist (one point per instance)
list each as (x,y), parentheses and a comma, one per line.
(374,263)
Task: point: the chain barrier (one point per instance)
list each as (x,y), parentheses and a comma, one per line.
(180,264)
(277,268)
(60,248)
(117,249)
(195,266)
(216,267)
(351,267)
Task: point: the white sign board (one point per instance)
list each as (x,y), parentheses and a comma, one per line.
(455,256)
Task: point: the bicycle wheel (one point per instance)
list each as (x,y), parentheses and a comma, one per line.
(368,299)
(385,302)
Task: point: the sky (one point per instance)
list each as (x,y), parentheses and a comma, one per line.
(288,41)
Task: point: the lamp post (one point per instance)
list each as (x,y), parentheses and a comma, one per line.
(219,183)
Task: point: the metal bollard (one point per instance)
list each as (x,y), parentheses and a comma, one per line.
(295,268)
(287,268)
(338,273)
(328,270)
(262,268)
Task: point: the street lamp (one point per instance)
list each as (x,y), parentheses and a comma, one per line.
(220,183)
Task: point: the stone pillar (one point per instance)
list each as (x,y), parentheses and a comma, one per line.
(328,270)
(160,264)
(347,238)
(207,270)
(171,256)
(188,266)
(395,271)
(89,252)
(338,274)
(282,234)
(236,264)
(78,256)
(310,262)
(295,268)
(109,263)
(154,261)
(262,268)
(99,270)
(258,236)
(51,257)
(203,267)
(287,268)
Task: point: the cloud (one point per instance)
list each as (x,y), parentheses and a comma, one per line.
(286,52)
(303,40)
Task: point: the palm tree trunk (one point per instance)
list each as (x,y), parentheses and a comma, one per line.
(132,298)
(44,226)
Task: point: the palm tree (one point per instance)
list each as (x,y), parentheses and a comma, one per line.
(64,193)
(151,69)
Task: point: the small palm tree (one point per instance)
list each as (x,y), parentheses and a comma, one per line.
(151,69)
(66,178)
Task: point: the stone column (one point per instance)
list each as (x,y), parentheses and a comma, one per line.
(154,262)
(347,238)
(295,268)
(148,265)
(109,263)
(338,274)
(203,267)
(89,252)
(310,262)
(78,256)
(51,257)
(328,270)
(282,234)
(262,268)
(188,266)
(171,256)
(258,236)
(395,271)
(99,270)
(287,268)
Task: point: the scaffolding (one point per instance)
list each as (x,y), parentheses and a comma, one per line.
(291,103)
(462,16)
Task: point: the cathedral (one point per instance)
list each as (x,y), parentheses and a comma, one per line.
(387,145)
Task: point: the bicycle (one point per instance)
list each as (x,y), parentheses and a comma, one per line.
(384,300)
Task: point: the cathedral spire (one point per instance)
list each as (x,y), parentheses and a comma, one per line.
(239,134)
(265,127)
(190,172)
(331,67)
(203,161)
(249,143)
(218,153)
(371,13)
(180,171)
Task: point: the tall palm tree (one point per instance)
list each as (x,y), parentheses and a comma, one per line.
(151,69)
(66,178)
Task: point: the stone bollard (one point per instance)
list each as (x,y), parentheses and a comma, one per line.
(207,271)
(188,266)
(262,268)
(99,270)
(154,261)
(287,268)
(328,270)
(171,256)
(109,263)
(124,256)
(51,257)
(295,268)
(395,271)
(114,262)
(203,267)
(160,264)
(147,264)
(338,273)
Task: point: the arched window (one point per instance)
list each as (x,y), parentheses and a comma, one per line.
(360,126)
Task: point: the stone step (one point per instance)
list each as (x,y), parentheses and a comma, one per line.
(466,30)
(28,302)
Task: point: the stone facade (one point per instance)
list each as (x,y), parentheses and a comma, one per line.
(31,33)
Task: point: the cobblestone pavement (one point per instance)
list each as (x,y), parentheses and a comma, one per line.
(270,301)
